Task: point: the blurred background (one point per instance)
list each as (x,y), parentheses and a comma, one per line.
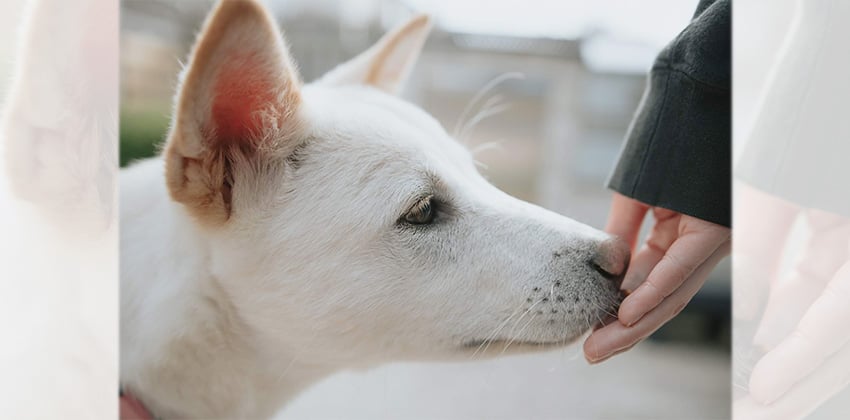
(11,13)
(544,90)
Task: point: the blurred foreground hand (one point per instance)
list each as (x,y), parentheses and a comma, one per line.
(803,331)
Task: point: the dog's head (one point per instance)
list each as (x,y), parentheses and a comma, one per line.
(345,220)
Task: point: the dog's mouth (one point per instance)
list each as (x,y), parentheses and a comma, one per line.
(622,295)
(503,345)
(612,311)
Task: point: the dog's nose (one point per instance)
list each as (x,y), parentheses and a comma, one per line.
(612,258)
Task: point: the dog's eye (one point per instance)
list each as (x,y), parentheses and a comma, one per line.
(422,213)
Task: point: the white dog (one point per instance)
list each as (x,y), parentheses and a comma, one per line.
(289,231)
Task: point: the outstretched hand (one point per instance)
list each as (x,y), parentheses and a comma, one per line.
(664,274)
(802,332)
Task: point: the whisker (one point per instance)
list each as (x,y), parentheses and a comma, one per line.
(496,331)
(605,308)
(297,355)
(489,145)
(286,369)
(492,101)
(513,328)
(511,341)
(489,86)
(481,164)
(473,120)
(483,147)
(467,128)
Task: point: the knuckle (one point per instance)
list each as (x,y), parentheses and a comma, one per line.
(679,269)
(678,309)
(649,286)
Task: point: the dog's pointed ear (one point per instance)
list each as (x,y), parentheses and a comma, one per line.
(237,101)
(387,64)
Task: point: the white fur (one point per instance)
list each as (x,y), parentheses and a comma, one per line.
(314,273)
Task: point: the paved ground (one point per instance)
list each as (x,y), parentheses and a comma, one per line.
(653,381)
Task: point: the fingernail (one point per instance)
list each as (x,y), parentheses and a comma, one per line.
(591,352)
(630,312)
(629,319)
(596,360)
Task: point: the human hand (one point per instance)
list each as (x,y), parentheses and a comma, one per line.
(803,329)
(665,274)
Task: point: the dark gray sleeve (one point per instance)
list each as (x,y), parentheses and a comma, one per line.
(678,147)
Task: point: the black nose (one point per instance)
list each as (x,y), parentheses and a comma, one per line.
(611,259)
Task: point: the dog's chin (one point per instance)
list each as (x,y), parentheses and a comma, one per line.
(505,346)
(502,347)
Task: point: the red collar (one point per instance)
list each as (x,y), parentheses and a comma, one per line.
(132,408)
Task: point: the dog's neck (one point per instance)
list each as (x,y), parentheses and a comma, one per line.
(218,371)
(185,350)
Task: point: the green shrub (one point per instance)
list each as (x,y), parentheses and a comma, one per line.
(141,132)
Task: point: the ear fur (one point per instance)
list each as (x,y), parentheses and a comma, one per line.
(237,101)
(387,64)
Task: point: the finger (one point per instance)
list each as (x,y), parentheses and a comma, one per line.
(662,235)
(685,255)
(826,222)
(805,396)
(821,332)
(642,264)
(606,342)
(616,337)
(626,218)
(823,254)
(787,303)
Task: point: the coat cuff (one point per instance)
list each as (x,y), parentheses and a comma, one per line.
(677,149)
